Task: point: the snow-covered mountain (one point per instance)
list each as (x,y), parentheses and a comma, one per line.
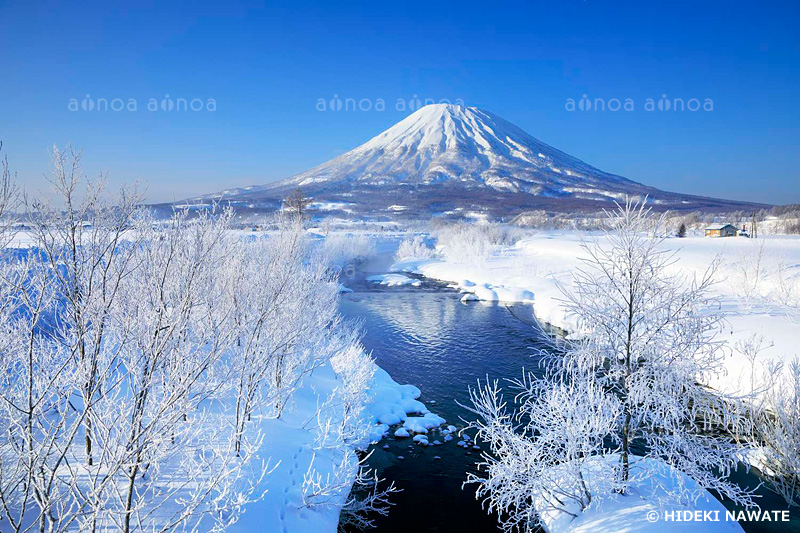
(447,158)
(467,146)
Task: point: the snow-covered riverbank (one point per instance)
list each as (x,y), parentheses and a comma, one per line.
(291,445)
(757,281)
(279,405)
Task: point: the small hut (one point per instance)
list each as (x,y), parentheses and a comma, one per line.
(721,230)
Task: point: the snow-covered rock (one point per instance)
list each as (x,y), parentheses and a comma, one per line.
(422,424)
(394,280)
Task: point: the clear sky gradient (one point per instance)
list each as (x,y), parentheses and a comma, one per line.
(266,66)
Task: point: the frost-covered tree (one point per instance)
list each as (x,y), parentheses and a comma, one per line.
(38,423)
(9,201)
(137,356)
(297,204)
(653,338)
(648,343)
(540,446)
(81,236)
(114,327)
(653,343)
(161,442)
(55,358)
(283,306)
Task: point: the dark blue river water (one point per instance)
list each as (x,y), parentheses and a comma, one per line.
(427,337)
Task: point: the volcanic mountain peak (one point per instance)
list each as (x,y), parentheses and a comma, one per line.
(448,158)
(466,145)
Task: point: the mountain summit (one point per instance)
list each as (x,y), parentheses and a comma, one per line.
(443,143)
(448,159)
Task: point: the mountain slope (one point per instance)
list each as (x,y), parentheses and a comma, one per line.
(447,157)
(465,145)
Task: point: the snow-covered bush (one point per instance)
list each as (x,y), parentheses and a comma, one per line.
(775,436)
(539,449)
(366,501)
(344,431)
(344,420)
(414,248)
(779,434)
(366,497)
(758,273)
(749,270)
(787,290)
(339,249)
(467,243)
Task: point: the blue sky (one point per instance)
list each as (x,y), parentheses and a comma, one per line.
(267,65)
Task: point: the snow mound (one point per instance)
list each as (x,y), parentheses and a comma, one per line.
(394,280)
(421,440)
(392,403)
(641,509)
(422,424)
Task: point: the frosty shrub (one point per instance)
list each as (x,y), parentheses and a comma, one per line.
(776,435)
(344,432)
(465,243)
(749,271)
(787,291)
(540,447)
(339,249)
(414,248)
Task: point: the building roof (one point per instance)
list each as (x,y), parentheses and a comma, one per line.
(719,226)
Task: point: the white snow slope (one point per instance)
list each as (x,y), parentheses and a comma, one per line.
(443,142)
(289,446)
